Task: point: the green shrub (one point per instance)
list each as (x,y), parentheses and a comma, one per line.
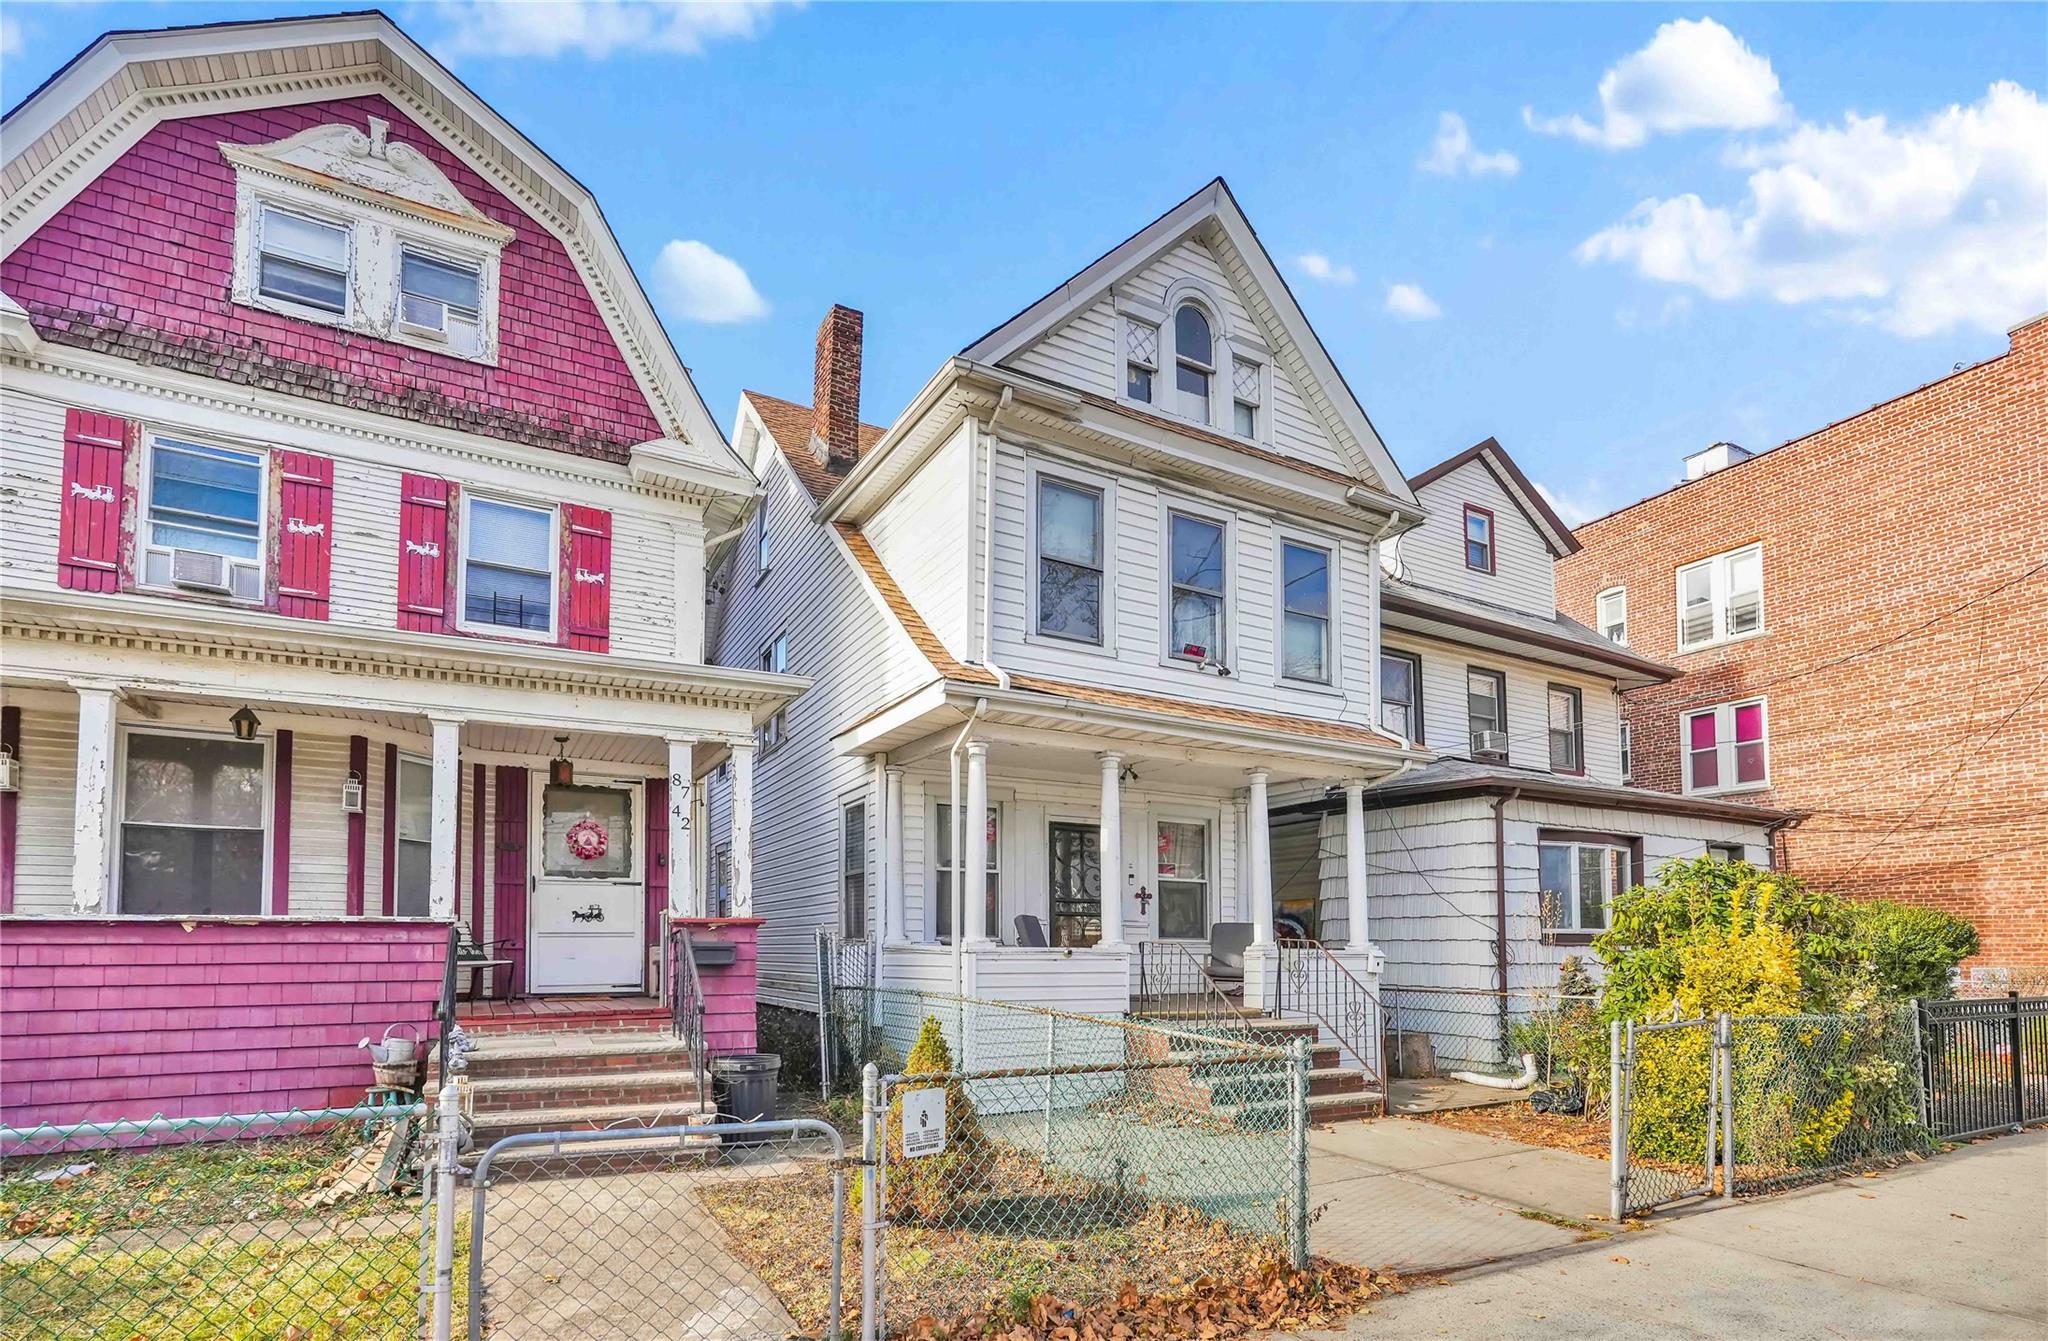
(926,1189)
(1911,951)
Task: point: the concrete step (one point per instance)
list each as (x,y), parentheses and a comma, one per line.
(506,1094)
(1262,1114)
(567,1054)
(489,1127)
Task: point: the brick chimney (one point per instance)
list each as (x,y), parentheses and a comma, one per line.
(835,390)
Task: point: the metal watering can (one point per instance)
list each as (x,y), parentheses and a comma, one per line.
(393,1051)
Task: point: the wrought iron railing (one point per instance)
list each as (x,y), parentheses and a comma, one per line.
(1314,986)
(1175,985)
(686,999)
(1984,1064)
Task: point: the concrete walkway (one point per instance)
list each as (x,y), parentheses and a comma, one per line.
(1418,1197)
(1955,1249)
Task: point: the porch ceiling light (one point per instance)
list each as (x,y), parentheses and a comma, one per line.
(561,773)
(245,723)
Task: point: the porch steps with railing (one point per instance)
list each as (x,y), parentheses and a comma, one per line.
(1336,1092)
(558,1080)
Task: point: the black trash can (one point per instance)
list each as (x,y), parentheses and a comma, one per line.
(743,1086)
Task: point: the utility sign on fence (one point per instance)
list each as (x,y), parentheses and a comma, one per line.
(924,1123)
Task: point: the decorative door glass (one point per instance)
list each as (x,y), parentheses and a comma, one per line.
(1076,884)
(586,833)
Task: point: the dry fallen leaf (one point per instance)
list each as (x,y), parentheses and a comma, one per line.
(1619,1258)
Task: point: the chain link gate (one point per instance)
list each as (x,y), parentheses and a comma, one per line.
(1669,1122)
(712,1232)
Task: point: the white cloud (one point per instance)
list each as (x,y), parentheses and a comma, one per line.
(593,28)
(10,36)
(1576,509)
(1410,303)
(695,283)
(1694,75)
(1920,228)
(1451,153)
(1318,266)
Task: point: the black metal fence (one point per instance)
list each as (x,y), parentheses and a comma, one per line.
(1984,1064)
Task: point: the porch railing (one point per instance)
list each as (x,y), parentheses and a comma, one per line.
(1313,985)
(1174,986)
(686,1000)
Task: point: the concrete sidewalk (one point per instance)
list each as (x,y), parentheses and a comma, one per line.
(1415,1196)
(1955,1249)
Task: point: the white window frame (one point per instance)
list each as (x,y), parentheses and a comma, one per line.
(146,489)
(1718,566)
(1261,408)
(1169,651)
(267,807)
(1072,477)
(764,545)
(1500,677)
(1628,762)
(773,734)
(1414,705)
(1574,847)
(847,805)
(397,810)
(1214,368)
(1125,362)
(1601,621)
(1724,747)
(379,234)
(942,863)
(1334,663)
(1211,822)
(462,620)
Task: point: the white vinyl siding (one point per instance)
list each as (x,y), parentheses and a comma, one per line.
(1433,554)
(1444,708)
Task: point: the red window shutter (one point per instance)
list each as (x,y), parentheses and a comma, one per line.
(424,531)
(589,578)
(89,528)
(305,534)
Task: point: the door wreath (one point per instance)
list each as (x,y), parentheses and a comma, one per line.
(587,840)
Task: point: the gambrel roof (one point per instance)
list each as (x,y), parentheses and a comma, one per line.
(1212,214)
(101,103)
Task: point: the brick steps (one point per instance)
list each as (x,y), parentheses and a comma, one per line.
(551,1079)
(487,1128)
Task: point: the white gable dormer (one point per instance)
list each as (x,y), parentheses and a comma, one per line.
(1188,321)
(1489,535)
(361,230)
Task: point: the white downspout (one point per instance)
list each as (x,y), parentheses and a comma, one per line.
(1521,1082)
(958,853)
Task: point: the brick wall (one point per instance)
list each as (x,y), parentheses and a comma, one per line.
(141,264)
(1870,528)
(105,1018)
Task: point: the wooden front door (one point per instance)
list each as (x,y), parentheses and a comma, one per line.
(586,926)
(1075,882)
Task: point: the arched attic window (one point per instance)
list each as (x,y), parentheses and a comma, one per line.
(1194,354)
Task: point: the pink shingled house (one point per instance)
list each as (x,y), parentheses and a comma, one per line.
(351,588)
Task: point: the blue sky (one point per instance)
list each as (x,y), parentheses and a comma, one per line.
(1648,229)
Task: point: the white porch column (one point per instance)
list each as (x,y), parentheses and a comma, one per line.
(1261,858)
(683,899)
(971,882)
(898,928)
(445,846)
(92,814)
(1112,849)
(1355,936)
(742,856)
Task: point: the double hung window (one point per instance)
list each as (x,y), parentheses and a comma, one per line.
(203,518)
(853,870)
(1304,612)
(1486,711)
(1612,613)
(942,865)
(1070,560)
(302,260)
(1567,729)
(775,660)
(194,818)
(1141,359)
(1197,548)
(508,566)
(1183,880)
(441,299)
(1580,878)
(414,841)
(1726,747)
(1194,354)
(1401,694)
(1478,538)
(1721,598)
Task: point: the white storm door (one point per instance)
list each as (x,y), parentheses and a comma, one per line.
(587,922)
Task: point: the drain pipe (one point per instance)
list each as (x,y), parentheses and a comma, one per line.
(1521,1082)
(1500,907)
(959,845)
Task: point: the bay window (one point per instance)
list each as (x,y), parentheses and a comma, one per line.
(1726,748)
(1070,561)
(1579,877)
(194,815)
(1183,880)
(508,567)
(1304,612)
(1721,598)
(1196,547)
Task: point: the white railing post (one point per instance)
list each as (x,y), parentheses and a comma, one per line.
(871,1139)
(1617,1136)
(447,1157)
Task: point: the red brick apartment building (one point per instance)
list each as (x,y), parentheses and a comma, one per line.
(1861,616)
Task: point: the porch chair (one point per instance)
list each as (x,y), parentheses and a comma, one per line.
(480,962)
(1227,943)
(1030,931)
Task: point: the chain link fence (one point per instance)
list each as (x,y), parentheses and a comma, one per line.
(731,1231)
(1432,1031)
(1669,1099)
(300,1224)
(1024,1152)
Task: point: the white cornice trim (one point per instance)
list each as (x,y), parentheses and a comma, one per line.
(195,402)
(17,332)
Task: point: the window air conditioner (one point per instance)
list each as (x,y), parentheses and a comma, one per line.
(197,569)
(1490,742)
